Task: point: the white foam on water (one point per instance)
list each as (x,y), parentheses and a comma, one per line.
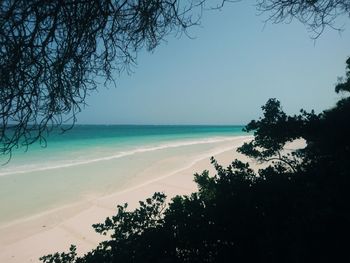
(69,163)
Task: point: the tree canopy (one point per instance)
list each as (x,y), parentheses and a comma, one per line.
(294,210)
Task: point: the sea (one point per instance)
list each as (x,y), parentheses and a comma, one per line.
(88,161)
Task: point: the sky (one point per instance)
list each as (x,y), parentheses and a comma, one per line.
(222,76)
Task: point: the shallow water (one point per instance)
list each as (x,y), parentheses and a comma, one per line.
(91,161)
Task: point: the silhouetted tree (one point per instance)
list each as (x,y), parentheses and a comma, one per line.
(317,14)
(344,85)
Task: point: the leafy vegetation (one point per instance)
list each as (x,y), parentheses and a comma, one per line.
(295,209)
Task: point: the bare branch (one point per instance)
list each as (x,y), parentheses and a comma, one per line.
(316,14)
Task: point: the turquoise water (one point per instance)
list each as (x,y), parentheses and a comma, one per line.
(91,143)
(94,160)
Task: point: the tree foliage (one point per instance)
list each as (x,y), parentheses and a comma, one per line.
(293,210)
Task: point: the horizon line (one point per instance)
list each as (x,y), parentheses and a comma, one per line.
(155,124)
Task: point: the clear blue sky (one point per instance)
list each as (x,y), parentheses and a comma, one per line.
(224,75)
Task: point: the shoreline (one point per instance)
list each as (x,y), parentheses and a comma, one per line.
(27,239)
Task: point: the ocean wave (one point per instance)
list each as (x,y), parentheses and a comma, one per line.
(36,168)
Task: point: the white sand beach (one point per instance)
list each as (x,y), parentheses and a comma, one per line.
(26,239)
(55,230)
